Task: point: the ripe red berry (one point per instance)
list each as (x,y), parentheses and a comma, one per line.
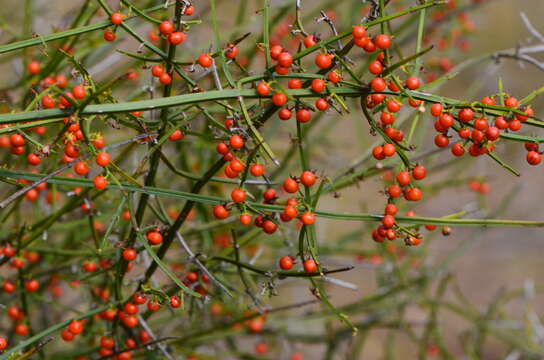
(378,84)
(176,38)
(465,115)
(90,266)
(391,209)
(48,102)
(436,109)
(245,219)
(231,52)
(176,135)
(323,61)
(358,31)
(238,195)
(102,159)
(154,237)
(394,191)
(294,84)
(285,59)
(34,67)
(403,178)
(205,60)
(16,140)
(310,266)
(388,221)
(286,262)
(116,18)
(389,149)
(165,79)
(303,115)
(100,182)
(175,301)
(67,335)
(310,41)
(279,99)
(220,212)
(534,158)
(307,218)
(76,327)
(81,168)
(189,10)
(441,140)
(307,178)
(413,83)
(419,172)
(79,92)
(109,35)
(130,254)
(511,102)
(334,77)
(236,142)
(318,85)
(256,170)
(290,185)
(157,70)
(284,114)
(32,285)
(263,89)
(269,226)
(166,27)
(382,41)
(275,51)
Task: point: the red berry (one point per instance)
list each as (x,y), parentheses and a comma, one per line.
(79,92)
(441,140)
(205,60)
(166,27)
(294,84)
(176,38)
(263,89)
(279,99)
(323,61)
(236,142)
(116,18)
(238,195)
(403,178)
(310,41)
(286,263)
(303,115)
(419,172)
(109,35)
(100,182)
(465,115)
(256,170)
(378,84)
(308,178)
(284,114)
(534,158)
(290,185)
(382,41)
(154,237)
(157,70)
(436,109)
(165,79)
(285,59)
(318,85)
(34,67)
(310,266)
(102,159)
(358,31)
(176,135)
(130,254)
(413,83)
(81,168)
(220,212)
(307,218)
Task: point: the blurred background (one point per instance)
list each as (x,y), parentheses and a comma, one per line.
(483,263)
